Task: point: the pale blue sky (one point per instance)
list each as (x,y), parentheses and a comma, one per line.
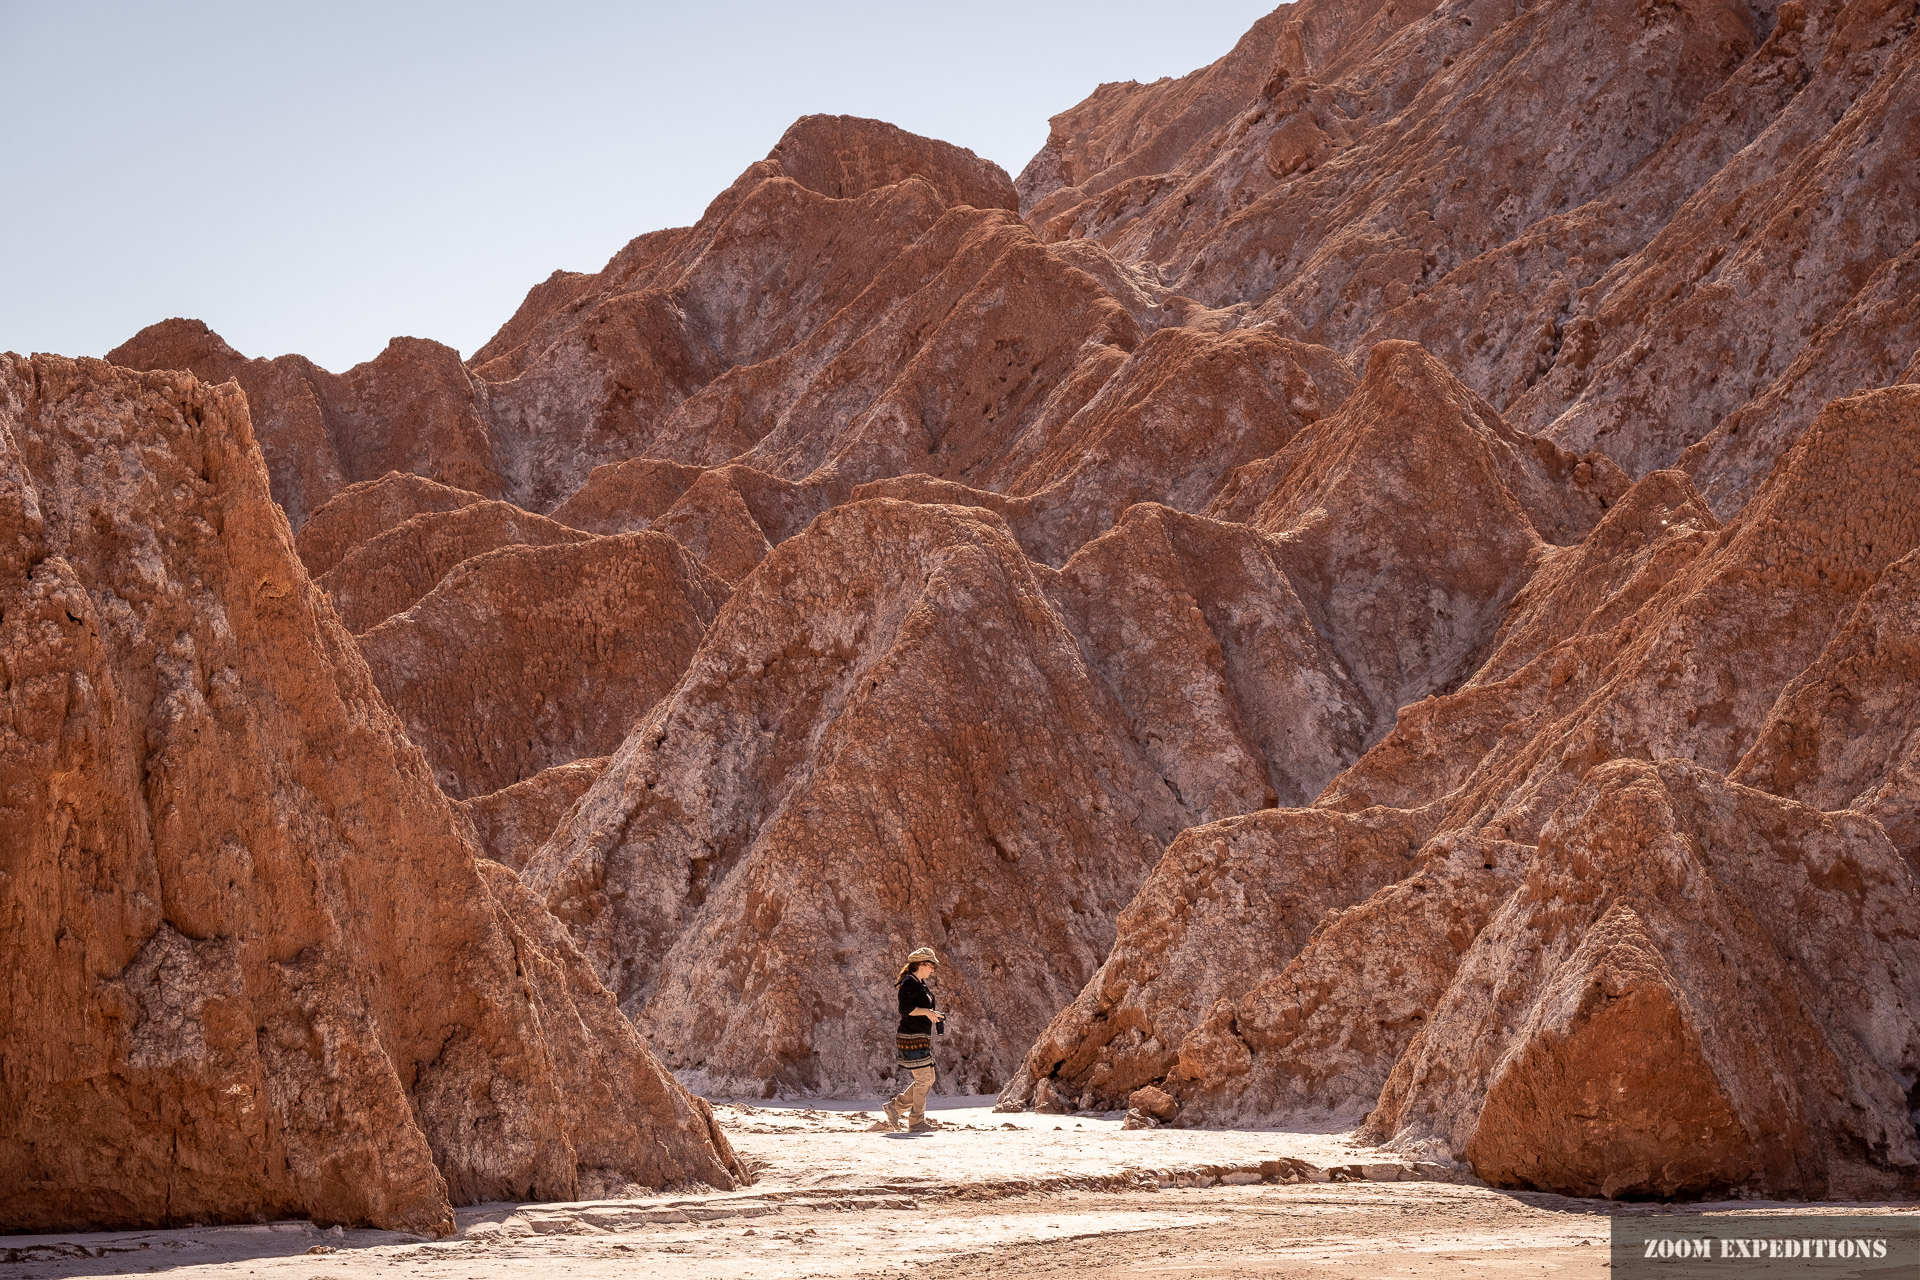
(320,177)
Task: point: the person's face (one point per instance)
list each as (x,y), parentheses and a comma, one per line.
(923,971)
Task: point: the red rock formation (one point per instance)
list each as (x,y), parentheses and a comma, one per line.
(971,338)
(889,738)
(1357,499)
(906,660)
(953,343)
(839,157)
(1032,521)
(1832,233)
(1245,891)
(1695,672)
(733,515)
(411,408)
(534,656)
(1235,698)
(1320,1032)
(511,823)
(626,497)
(254,967)
(1842,734)
(363,511)
(1410,452)
(602,371)
(1170,425)
(845,157)
(1374,171)
(1566,626)
(1332,191)
(391,571)
(1127,132)
(1680,999)
(1542,997)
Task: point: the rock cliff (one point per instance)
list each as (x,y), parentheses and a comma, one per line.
(254,968)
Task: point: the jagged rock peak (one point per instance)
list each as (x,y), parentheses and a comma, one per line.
(847,156)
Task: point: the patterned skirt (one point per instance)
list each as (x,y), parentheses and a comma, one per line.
(913,1051)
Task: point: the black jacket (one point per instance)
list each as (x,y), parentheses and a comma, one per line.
(914,995)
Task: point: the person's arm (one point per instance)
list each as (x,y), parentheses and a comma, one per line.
(907,998)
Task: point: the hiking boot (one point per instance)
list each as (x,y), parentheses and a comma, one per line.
(924,1125)
(892,1108)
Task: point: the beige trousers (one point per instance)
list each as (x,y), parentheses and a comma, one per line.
(914,1100)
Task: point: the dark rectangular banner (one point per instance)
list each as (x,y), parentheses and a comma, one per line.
(1761,1246)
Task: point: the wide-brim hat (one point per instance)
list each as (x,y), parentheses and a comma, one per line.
(922,954)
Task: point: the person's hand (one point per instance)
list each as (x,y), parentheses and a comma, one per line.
(936,1015)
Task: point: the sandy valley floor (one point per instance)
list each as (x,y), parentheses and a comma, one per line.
(992,1195)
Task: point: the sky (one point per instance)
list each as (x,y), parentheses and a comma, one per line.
(319,178)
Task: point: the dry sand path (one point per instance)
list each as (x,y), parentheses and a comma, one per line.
(991,1195)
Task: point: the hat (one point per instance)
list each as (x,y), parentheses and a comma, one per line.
(919,954)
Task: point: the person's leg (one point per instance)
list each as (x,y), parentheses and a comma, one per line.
(916,1095)
(900,1103)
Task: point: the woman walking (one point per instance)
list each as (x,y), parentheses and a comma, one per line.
(914,1041)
